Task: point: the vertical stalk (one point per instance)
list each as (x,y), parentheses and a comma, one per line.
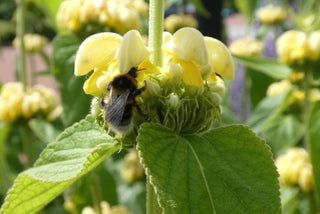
(96,195)
(22,75)
(307,105)
(156,13)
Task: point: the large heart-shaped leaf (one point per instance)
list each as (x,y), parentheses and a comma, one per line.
(226,170)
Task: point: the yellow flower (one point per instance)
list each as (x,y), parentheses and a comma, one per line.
(174,22)
(294,168)
(32,42)
(196,58)
(246,47)
(278,87)
(292,46)
(271,14)
(109,55)
(11,98)
(314,45)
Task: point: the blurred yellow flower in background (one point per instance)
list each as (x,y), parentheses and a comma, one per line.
(15,102)
(174,22)
(295,168)
(298,47)
(271,14)
(246,47)
(119,15)
(33,42)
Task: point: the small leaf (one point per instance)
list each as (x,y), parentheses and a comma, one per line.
(78,150)
(270,67)
(226,170)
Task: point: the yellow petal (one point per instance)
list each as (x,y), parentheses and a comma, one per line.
(191,74)
(220,58)
(96,84)
(96,51)
(132,51)
(188,44)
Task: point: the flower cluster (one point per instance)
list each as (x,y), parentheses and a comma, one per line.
(174,22)
(295,168)
(106,209)
(246,47)
(132,170)
(16,102)
(33,42)
(298,48)
(271,14)
(297,95)
(111,15)
(184,94)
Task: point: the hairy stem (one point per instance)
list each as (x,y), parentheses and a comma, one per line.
(156,13)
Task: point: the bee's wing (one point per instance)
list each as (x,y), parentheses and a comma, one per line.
(116,107)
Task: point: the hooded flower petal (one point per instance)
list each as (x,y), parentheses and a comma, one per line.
(220,58)
(96,51)
(189,76)
(132,52)
(188,44)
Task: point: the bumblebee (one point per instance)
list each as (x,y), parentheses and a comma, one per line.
(119,108)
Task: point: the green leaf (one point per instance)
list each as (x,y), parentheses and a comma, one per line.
(270,67)
(284,132)
(78,150)
(313,135)
(226,170)
(200,7)
(52,7)
(247,8)
(44,130)
(267,111)
(76,103)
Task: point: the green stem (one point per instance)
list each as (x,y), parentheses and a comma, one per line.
(306,104)
(28,144)
(22,75)
(156,13)
(152,201)
(96,195)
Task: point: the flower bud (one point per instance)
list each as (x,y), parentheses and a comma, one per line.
(173,100)
(69,206)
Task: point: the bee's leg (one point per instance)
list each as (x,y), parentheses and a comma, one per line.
(108,86)
(140,111)
(140,90)
(102,103)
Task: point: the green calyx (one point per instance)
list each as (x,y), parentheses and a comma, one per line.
(185,109)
